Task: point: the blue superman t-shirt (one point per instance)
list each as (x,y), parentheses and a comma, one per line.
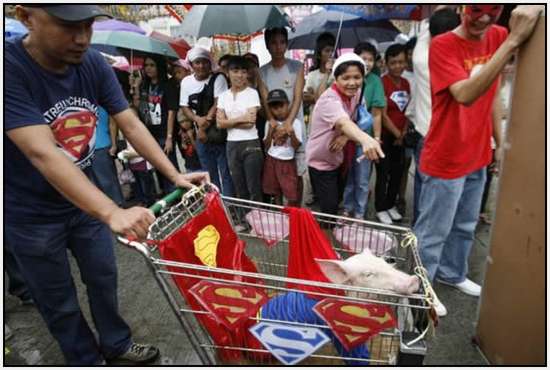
(69,104)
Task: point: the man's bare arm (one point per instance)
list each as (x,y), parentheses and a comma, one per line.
(522,22)
(38,145)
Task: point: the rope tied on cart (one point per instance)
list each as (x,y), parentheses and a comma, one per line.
(409,240)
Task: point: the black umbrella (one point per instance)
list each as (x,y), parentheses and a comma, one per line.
(354,29)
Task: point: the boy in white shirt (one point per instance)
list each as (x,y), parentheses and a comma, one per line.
(280,175)
(236,112)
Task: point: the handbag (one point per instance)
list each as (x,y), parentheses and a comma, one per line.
(201,104)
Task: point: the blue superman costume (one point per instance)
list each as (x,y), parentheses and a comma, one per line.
(306,243)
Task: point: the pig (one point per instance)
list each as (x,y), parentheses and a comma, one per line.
(368,271)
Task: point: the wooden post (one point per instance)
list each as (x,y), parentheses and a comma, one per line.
(511,329)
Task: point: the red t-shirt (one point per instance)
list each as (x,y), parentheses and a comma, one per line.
(459,140)
(397,96)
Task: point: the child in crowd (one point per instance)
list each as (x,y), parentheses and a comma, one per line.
(280,175)
(236,111)
(390,169)
(144,186)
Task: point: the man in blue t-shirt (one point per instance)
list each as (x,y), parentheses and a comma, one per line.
(53,88)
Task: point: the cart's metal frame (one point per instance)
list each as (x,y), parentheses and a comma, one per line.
(404,344)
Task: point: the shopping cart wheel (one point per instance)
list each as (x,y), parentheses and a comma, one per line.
(411,354)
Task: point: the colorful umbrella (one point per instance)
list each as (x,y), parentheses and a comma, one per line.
(116,25)
(180,46)
(13,27)
(129,42)
(353,29)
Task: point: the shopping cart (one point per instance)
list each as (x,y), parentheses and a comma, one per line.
(261,232)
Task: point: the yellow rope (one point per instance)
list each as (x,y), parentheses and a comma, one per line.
(409,240)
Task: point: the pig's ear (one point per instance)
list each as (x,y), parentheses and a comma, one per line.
(334,270)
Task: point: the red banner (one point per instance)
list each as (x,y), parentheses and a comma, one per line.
(354,323)
(231,304)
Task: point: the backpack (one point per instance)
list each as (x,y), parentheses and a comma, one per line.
(201,103)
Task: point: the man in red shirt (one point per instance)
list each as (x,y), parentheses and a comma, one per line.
(465,65)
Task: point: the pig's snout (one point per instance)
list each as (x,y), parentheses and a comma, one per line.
(407,285)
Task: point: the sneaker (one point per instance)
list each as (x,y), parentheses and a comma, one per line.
(394,214)
(137,354)
(384,217)
(439,308)
(467,287)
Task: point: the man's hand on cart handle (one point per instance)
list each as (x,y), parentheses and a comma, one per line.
(189,180)
(133,223)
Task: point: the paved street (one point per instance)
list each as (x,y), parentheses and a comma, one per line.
(151,319)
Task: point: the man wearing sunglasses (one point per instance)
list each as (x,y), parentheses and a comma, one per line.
(465,66)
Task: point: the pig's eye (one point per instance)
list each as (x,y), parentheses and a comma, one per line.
(367,275)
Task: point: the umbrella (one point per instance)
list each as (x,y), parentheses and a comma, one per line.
(116,25)
(13,27)
(180,46)
(209,20)
(128,42)
(374,12)
(354,29)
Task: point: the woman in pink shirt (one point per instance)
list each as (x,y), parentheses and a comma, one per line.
(332,126)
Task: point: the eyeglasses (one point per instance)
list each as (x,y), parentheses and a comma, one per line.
(478,11)
(149,65)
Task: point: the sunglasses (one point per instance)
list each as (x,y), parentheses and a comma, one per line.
(477,11)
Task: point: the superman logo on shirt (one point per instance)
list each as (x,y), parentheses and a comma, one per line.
(400,98)
(74,133)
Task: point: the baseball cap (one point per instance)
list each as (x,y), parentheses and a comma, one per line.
(276,96)
(72,13)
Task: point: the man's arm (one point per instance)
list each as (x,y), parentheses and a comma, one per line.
(262,88)
(38,145)
(522,22)
(296,101)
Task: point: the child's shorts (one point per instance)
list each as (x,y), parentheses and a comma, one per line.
(280,176)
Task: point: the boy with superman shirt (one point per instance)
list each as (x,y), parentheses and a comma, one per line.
(465,65)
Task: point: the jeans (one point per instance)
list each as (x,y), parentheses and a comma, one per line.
(166,185)
(214,159)
(417,179)
(389,171)
(246,161)
(357,188)
(16,285)
(449,211)
(105,176)
(41,251)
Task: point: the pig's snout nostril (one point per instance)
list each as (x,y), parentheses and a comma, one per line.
(414,284)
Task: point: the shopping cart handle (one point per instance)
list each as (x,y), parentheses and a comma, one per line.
(166,201)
